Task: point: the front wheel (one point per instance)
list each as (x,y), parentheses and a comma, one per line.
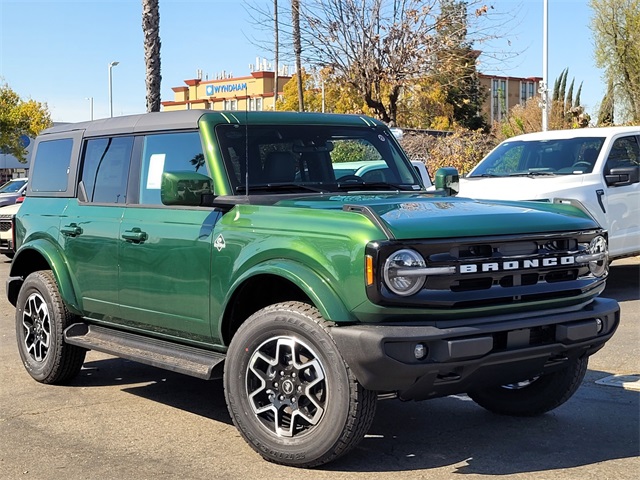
(41,317)
(290,393)
(533,396)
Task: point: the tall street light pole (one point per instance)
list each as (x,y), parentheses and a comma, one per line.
(111,65)
(90,106)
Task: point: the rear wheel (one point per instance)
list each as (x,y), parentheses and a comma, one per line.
(41,317)
(290,393)
(533,396)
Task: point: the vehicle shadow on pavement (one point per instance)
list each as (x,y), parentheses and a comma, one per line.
(200,397)
(445,432)
(623,282)
(455,432)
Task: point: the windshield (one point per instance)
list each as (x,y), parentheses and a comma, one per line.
(567,156)
(282,158)
(13,186)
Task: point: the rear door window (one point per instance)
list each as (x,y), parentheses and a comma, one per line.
(106,169)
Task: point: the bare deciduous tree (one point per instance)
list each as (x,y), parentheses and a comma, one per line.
(381,46)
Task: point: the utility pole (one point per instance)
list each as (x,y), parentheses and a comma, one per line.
(544,89)
(275,62)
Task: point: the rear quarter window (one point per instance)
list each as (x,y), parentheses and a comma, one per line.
(50,170)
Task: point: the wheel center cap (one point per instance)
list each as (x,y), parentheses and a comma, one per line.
(287,387)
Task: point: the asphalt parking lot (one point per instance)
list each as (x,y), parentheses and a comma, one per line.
(122,420)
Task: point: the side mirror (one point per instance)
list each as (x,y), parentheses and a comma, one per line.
(618,177)
(448,180)
(184,188)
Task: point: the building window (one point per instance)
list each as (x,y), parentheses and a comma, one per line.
(498,99)
(527,91)
(255,104)
(231,104)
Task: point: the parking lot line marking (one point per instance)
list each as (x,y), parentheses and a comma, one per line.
(628,382)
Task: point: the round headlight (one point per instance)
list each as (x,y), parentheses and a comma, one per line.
(402,272)
(598,247)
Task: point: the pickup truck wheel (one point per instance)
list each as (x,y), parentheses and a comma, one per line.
(533,396)
(289,392)
(41,317)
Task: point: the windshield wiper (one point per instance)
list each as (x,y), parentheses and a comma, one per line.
(486,175)
(271,187)
(532,174)
(374,186)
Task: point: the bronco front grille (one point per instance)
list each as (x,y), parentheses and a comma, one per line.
(492,271)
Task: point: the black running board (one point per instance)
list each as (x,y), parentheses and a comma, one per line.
(192,361)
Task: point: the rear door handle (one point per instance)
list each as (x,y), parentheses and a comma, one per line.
(72,230)
(135,235)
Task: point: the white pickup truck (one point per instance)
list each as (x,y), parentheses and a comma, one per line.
(595,167)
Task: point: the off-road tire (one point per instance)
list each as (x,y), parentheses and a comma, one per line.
(41,317)
(534,397)
(319,412)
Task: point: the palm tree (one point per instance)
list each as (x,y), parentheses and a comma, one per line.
(151,31)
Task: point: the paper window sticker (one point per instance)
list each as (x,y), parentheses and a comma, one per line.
(156,167)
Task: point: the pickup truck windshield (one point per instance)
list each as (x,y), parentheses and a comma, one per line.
(284,158)
(566,156)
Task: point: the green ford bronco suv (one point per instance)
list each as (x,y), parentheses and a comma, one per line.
(226,245)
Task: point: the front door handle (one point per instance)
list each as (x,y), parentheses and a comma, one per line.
(600,194)
(71,230)
(135,235)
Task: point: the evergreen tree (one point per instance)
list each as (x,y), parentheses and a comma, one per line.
(576,103)
(605,115)
(463,90)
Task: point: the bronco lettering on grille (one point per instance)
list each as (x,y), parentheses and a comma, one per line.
(516,264)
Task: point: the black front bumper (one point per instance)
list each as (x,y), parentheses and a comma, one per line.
(490,351)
